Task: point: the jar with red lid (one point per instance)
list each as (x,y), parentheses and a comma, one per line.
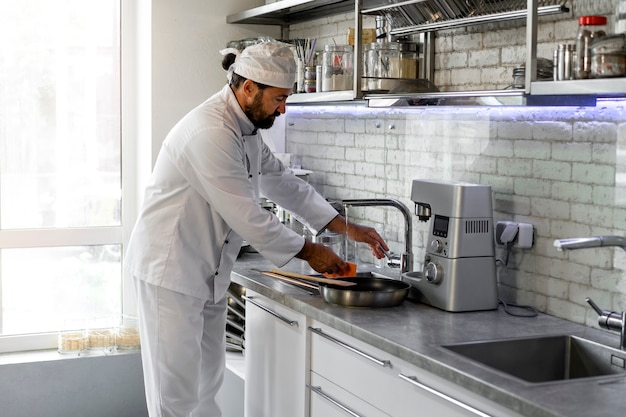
(589,29)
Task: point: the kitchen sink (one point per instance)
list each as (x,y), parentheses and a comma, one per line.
(545,358)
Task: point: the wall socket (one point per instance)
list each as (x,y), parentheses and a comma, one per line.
(522,235)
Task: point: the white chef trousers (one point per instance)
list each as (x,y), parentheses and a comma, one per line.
(183,344)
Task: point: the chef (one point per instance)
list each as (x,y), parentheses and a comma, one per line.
(201,202)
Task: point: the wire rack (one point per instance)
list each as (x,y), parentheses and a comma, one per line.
(413,16)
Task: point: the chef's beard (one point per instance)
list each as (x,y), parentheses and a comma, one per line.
(257,116)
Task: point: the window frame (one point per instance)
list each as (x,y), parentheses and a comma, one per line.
(131,29)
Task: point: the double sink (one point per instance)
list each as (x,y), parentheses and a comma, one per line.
(558,358)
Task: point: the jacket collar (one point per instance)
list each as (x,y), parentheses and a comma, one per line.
(246,126)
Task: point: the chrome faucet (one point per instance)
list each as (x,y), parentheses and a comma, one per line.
(608,320)
(590,242)
(611,320)
(406,259)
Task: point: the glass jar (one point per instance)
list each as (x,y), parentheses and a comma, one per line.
(408,60)
(589,29)
(608,56)
(337,68)
(383,66)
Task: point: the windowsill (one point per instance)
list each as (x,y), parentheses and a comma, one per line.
(47,355)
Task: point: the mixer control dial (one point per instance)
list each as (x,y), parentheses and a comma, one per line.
(436,245)
(433,272)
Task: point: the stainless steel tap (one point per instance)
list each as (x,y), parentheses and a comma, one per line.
(608,320)
(590,242)
(406,259)
(611,320)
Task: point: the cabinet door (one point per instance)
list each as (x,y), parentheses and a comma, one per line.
(390,384)
(329,400)
(275,342)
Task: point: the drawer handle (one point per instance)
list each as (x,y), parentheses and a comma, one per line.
(377,361)
(413,380)
(272,312)
(318,391)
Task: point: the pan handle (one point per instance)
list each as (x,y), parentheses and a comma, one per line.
(272,312)
(381,362)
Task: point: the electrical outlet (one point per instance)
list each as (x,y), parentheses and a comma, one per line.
(521,235)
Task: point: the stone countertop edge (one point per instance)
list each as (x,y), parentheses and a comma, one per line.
(415,333)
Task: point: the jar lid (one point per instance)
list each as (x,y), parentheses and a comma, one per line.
(591,20)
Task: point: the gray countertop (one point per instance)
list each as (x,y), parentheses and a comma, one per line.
(415,333)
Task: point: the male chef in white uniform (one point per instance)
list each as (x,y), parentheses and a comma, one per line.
(202,201)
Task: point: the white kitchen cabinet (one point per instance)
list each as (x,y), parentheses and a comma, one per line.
(389,384)
(330,400)
(276,358)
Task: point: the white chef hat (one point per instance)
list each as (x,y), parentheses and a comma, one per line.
(269,63)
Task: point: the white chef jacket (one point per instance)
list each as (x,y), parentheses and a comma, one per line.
(202,201)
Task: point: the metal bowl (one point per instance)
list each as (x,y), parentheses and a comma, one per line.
(368,292)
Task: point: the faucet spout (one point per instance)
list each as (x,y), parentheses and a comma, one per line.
(590,242)
(407,257)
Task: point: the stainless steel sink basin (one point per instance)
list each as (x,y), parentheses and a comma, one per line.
(546,358)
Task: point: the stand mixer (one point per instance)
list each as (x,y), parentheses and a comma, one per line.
(459,264)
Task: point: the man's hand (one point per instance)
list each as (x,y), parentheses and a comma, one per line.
(322,259)
(360,233)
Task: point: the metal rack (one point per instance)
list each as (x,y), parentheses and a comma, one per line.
(418,16)
(423,18)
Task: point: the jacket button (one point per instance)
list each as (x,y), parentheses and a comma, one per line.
(226,242)
(250,176)
(217,273)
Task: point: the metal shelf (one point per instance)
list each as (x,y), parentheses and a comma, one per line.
(599,87)
(419,16)
(407,17)
(286,12)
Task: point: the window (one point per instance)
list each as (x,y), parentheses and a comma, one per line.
(60,164)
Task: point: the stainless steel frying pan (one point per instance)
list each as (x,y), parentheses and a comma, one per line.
(368,292)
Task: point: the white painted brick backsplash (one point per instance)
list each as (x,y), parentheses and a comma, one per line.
(574,152)
(532,187)
(573,192)
(552,170)
(467,42)
(552,130)
(593,174)
(532,149)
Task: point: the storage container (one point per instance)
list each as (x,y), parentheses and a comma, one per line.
(589,29)
(337,68)
(608,56)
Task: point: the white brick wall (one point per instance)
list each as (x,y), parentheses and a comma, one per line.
(553,167)
(561,169)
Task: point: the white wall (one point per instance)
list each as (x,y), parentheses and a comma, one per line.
(185,64)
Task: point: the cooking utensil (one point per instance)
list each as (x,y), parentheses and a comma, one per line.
(367,292)
(287,279)
(337,282)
